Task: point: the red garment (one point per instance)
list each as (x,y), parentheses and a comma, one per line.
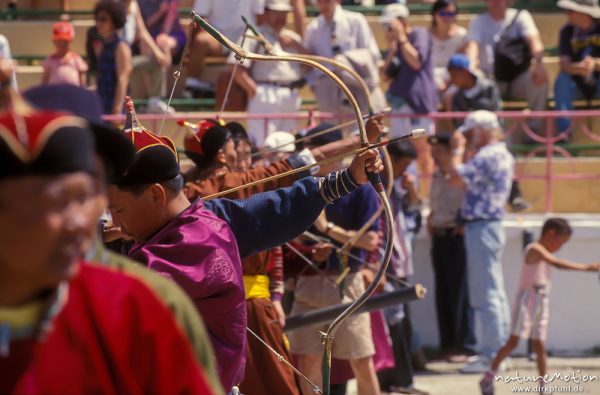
(112,336)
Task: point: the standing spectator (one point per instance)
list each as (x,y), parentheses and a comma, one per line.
(6,55)
(114,59)
(400,379)
(455,316)
(161,18)
(226,17)
(579,50)
(271,87)
(334,32)
(487,179)
(487,29)
(448,38)
(64,66)
(473,90)
(354,343)
(409,66)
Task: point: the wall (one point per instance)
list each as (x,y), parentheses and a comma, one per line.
(574,309)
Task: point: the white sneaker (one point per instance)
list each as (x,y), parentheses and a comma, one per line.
(157,106)
(505,365)
(480,365)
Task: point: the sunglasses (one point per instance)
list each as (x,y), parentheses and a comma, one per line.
(447,14)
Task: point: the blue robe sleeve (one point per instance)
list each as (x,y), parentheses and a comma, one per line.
(270,219)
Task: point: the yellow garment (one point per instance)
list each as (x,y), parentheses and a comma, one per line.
(22,316)
(257,287)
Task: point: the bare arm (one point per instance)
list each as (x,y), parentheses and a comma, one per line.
(154,18)
(299,16)
(171,17)
(82,79)
(144,37)
(472,51)
(123,63)
(243,79)
(539,252)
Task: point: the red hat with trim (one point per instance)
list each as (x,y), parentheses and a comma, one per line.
(156,158)
(204,141)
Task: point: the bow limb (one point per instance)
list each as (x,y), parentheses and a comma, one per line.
(374,178)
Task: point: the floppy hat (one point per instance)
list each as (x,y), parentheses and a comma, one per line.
(588,7)
(393,11)
(479,119)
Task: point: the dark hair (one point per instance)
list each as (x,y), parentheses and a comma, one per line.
(115,9)
(438,5)
(174,185)
(558,225)
(401,149)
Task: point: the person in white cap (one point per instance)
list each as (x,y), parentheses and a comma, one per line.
(486,29)
(487,179)
(282,145)
(271,87)
(579,51)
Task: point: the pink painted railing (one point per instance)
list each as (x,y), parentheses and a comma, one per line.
(516,124)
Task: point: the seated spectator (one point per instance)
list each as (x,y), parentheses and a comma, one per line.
(485,31)
(338,32)
(64,66)
(226,17)
(474,91)
(271,87)
(448,38)
(114,58)
(409,67)
(149,61)
(161,18)
(579,50)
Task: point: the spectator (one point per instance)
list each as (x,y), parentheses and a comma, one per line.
(448,38)
(473,90)
(64,66)
(149,61)
(409,66)
(271,87)
(114,59)
(531,309)
(487,178)
(579,50)
(485,31)
(455,316)
(337,32)
(226,17)
(354,343)
(6,55)
(400,379)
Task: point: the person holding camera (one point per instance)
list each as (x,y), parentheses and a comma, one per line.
(505,43)
(409,67)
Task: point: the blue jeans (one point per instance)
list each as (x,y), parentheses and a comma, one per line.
(565,91)
(484,242)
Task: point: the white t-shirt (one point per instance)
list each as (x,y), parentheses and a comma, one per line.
(442,50)
(486,31)
(226,15)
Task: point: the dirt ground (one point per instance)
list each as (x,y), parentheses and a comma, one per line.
(444,378)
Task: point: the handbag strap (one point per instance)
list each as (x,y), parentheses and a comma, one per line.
(511,23)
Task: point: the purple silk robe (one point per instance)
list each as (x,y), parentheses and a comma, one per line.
(199,252)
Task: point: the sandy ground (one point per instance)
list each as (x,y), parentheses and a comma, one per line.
(444,378)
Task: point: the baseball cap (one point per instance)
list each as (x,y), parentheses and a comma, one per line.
(460,61)
(282,141)
(63,30)
(278,5)
(393,11)
(479,119)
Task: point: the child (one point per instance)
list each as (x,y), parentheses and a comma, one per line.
(64,66)
(530,311)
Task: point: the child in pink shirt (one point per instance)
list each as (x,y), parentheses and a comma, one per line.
(64,66)
(530,309)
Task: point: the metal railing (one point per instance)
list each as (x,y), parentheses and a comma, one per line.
(542,142)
